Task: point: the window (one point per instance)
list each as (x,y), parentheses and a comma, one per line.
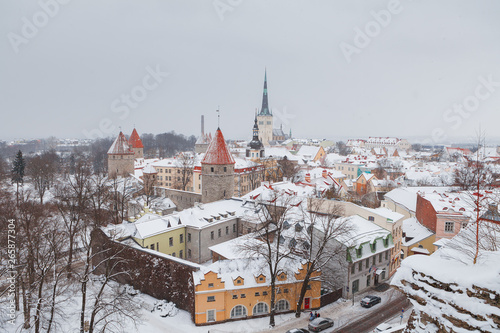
(227,230)
(374,257)
(449,226)
(386,255)
(360,266)
(180,254)
(367,262)
(210,315)
(380,257)
(285,291)
(212,235)
(249,230)
(210,285)
(257,294)
(282,305)
(189,253)
(171,241)
(243,296)
(212,169)
(264,293)
(211,299)
(355,286)
(308,287)
(368,278)
(189,238)
(219,233)
(234,227)
(353,269)
(181,238)
(225,169)
(173,254)
(260,308)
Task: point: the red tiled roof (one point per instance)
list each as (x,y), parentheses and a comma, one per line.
(217,152)
(120,146)
(135,140)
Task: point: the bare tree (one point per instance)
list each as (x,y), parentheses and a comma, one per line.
(41,170)
(323,225)
(271,221)
(72,201)
(121,192)
(289,169)
(185,168)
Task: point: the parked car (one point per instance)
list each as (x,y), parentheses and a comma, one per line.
(382,328)
(320,324)
(369,301)
(297,330)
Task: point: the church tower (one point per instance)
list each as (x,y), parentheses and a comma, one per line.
(120,157)
(255,149)
(136,144)
(217,171)
(265,118)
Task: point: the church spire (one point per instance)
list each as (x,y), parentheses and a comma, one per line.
(264,111)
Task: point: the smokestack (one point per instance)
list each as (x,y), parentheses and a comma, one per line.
(202,124)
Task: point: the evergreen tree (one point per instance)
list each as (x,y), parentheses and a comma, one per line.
(18,172)
(18,168)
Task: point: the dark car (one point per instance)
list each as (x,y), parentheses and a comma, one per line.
(297,330)
(320,324)
(369,301)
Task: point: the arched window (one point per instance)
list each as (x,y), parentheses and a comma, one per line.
(260,308)
(282,305)
(238,311)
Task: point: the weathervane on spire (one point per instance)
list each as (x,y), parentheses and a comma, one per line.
(218,116)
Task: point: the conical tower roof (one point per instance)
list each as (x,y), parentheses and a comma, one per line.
(264,111)
(134,140)
(217,152)
(120,146)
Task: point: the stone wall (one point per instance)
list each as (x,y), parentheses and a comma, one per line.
(152,274)
(120,165)
(182,199)
(217,184)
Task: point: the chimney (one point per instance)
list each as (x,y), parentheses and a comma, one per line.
(324,173)
(202,125)
(308,177)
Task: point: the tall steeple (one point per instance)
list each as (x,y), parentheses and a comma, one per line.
(264,111)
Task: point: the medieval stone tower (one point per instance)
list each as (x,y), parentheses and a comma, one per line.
(217,171)
(255,149)
(265,118)
(120,157)
(136,144)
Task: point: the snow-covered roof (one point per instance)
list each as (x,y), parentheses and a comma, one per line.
(385,212)
(217,151)
(120,146)
(404,198)
(248,269)
(236,248)
(414,232)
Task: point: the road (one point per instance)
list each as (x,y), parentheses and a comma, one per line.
(370,321)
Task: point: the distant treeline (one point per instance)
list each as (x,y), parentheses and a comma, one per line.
(155,146)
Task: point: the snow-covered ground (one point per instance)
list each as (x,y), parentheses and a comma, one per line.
(151,319)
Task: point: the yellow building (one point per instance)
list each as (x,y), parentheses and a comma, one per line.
(161,233)
(417,239)
(240,288)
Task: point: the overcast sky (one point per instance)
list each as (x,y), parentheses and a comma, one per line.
(335,68)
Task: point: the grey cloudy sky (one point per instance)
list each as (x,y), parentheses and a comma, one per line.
(67,67)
